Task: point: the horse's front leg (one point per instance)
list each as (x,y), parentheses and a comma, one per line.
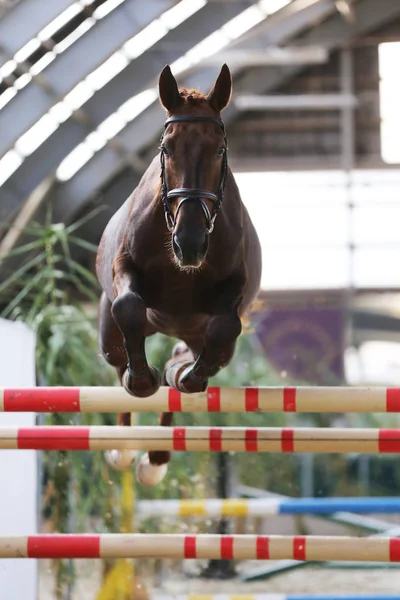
(129,312)
(218,349)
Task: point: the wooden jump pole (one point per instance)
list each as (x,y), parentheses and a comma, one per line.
(200,439)
(214,399)
(204,546)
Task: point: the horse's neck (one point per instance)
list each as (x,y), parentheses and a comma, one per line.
(147,196)
(145,227)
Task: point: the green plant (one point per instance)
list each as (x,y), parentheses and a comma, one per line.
(39,292)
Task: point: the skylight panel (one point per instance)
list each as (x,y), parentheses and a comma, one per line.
(181,64)
(8,68)
(74,162)
(243,22)
(74,35)
(136,105)
(26,52)
(98,78)
(7,95)
(232,30)
(95,141)
(36,135)
(61,112)
(149,36)
(22,81)
(210,45)
(105,8)
(65,17)
(108,129)
(181,12)
(29,48)
(389,56)
(107,70)
(111,126)
(42,63)
(9,164)
(269,7)
(78,96)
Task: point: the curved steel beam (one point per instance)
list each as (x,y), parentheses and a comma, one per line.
(24,21)
(111,199)
(136,77)
(74,64)
(138,134)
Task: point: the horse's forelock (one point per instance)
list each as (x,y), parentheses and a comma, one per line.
(193,97)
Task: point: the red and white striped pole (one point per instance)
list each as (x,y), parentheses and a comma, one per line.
(214,399)
(203,546)
(200,439)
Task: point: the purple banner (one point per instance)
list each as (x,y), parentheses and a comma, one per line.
(305,343)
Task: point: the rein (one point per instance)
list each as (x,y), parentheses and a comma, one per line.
(192,193)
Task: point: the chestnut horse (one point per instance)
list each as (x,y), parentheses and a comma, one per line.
(180,257)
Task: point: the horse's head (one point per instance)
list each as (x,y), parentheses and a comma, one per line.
(193,164)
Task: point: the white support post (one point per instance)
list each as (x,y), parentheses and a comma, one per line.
(18,470)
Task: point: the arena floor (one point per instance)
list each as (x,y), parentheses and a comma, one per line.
(311,580)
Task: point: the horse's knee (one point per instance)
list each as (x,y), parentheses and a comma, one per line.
(224,329)
(222,333)
(111,347)
(114,356)
(109,336)
(129,312)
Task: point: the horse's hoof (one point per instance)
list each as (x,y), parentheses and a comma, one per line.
(190,384)
(143,386)
(120,460)
(179,375)
(148,474)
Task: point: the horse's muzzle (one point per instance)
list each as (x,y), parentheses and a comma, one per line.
(189,251)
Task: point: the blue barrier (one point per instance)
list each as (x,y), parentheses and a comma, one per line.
(323,506)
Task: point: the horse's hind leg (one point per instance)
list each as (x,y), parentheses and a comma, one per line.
(152,465)
(217,350)
(182,360)
(111,344)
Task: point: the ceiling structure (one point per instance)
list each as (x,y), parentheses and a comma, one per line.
(80,116)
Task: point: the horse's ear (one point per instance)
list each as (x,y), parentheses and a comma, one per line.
(220,94)
(168,90)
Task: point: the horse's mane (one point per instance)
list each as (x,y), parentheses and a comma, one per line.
(193,97)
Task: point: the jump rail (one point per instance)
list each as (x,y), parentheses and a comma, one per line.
(199,439)
(228,547)
(214,399)
(263,507)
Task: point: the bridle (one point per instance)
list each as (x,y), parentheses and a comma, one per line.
(192,193)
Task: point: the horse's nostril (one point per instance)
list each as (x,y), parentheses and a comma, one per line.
(177,248)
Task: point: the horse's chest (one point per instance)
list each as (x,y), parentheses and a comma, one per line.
(177,293)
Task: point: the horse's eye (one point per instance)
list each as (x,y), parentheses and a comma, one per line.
(221,150)
(165,150)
